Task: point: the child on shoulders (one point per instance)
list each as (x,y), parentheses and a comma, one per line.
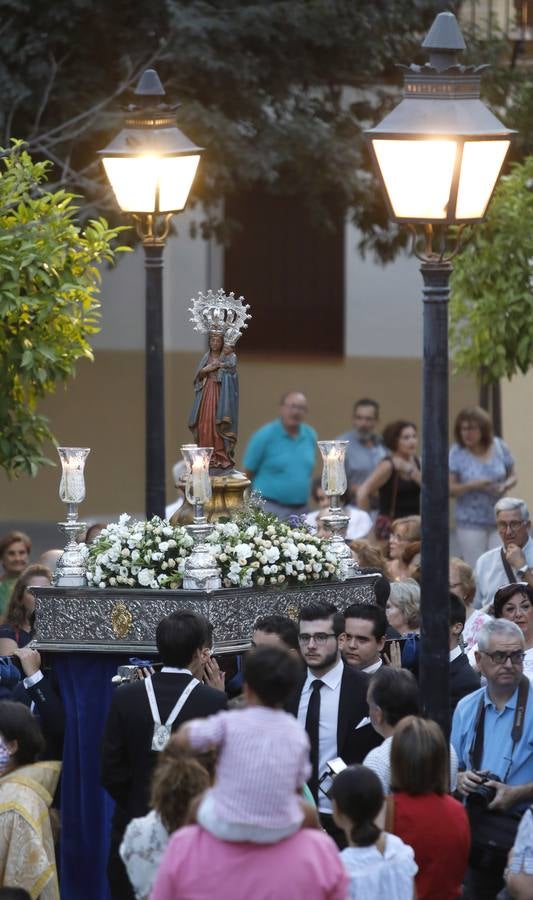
(263,760)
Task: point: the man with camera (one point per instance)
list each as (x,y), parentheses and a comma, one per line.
(141,718)
(491,734)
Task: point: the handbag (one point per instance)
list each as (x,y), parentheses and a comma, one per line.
(383,523)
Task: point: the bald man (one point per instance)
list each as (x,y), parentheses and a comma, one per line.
(280,458)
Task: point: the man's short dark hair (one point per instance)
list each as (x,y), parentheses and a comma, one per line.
(457,610)
(179,636)
(395,691)
(271,673)
(18,724)
(314,611)
(371,613)
(366,401)
(284,627)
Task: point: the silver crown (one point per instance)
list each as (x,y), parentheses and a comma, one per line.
(220,313)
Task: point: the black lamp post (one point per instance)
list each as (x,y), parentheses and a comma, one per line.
(151,166)
(438,156)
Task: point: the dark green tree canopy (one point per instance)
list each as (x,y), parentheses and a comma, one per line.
(261,82)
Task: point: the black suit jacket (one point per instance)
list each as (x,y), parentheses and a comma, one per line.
(352,743)
(463,679)
(127,757)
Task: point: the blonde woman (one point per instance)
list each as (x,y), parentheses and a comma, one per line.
(463,585)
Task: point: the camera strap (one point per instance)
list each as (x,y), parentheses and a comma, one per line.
(476,750)
(162,732)
(508,571)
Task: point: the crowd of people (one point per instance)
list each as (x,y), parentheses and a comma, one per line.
(312,773)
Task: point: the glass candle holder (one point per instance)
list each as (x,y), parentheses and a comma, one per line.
(198,483)
(334,482)
(72,484)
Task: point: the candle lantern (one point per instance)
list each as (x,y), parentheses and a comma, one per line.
(334,484)
(71,569)
(201,571)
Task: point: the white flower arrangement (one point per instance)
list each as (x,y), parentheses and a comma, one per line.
(256,549)
(271,553)
(141,554)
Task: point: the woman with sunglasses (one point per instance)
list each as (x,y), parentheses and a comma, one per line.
(515,602)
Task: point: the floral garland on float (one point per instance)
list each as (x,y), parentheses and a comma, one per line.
(254,549)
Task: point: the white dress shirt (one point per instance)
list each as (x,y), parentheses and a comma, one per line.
(490,573)
(329,716)
(369,670)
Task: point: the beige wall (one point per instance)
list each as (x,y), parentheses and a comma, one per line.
(103,408)
(518,431)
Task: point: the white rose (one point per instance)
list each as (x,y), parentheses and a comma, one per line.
(145,577)
(260,581)
(272,554)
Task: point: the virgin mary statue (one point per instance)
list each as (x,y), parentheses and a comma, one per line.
(214,414)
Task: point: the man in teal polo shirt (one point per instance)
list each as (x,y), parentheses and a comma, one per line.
(280,458)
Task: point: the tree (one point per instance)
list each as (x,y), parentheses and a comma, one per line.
(492,296)
(49,283)
(262,82)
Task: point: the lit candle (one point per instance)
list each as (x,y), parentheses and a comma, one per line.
(72,489)
(198,481)
(333,472)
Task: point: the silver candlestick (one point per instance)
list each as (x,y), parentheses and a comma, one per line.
(201,572)
(334,484)
(71,569)
(336,521)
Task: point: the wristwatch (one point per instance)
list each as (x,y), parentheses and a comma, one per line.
(523,570)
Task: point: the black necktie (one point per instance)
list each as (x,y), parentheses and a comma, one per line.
(312,720)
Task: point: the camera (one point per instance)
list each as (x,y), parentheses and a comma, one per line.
(484,793)
(133,671)
(334,766)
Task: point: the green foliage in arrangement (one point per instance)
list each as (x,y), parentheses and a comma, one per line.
(492,295)
(49,307)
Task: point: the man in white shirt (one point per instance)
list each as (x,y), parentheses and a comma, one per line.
(330,703)
(362,641)
(513,561)
(392,695)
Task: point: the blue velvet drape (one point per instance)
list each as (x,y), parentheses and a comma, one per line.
(86,809)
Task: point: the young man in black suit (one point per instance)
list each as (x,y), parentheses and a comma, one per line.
(330,702)
(463,679)
(132,731)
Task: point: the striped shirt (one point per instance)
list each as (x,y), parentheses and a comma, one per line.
(263,762)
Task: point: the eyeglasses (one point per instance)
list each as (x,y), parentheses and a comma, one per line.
(320,638)
(510,526)
(500,657)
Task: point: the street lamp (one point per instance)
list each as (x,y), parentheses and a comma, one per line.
(438,156)
(151,166)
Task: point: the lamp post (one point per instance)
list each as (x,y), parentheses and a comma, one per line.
(151,166)
(438,156)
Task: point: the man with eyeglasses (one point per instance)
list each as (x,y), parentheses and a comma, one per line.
(330,703)
(511,562)
(491,734)
(280,458)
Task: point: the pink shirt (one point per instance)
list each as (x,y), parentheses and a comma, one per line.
(305,866)
(263,762)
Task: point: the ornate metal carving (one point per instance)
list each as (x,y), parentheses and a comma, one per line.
(121,620)
(76,619)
